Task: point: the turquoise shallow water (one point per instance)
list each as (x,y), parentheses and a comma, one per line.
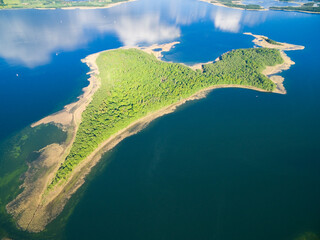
(238,164)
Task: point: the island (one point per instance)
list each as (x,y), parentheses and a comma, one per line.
(128,88)
(61,4)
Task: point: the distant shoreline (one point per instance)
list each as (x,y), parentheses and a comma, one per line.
(110,5)
(295,10)
(35,207)
(107,6)
(217,3)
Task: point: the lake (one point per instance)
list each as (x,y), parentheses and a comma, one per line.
(237,164)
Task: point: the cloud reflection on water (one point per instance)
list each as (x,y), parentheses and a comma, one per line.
(232,20)
(31,44)
(146,29)
(27,41)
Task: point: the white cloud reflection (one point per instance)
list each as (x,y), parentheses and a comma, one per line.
(31,38)
(146,30)
(31,44)
(227,21)
(231,20)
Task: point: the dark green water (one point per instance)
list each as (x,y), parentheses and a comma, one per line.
(238,164)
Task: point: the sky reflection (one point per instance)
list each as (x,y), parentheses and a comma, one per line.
(30,37)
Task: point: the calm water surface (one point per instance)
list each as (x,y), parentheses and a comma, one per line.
(238,164)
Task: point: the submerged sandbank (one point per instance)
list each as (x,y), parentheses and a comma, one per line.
(35,207)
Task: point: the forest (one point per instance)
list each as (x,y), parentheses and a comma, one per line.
(268,40)
(312,7)
(134,84)
(230,3)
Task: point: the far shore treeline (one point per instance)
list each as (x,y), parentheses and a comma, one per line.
(16,4)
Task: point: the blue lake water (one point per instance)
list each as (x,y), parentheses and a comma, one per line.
(238,164)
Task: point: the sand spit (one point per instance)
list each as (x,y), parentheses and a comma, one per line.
(260,40)
(270,71)
(35,207)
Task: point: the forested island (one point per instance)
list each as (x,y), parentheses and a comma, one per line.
(50,4)
(128,89)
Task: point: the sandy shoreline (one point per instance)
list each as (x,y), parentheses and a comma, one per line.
(270,71)
(260,40)
(34,208)
(31,208)
(295,10)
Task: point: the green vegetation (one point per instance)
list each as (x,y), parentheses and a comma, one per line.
(134,83)
(230,3)
(268,40)
(307,7)
(8,4)
(308,236)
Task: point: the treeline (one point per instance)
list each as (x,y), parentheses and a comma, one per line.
(134,83)
(307,7)
(229,3)
(268,40)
